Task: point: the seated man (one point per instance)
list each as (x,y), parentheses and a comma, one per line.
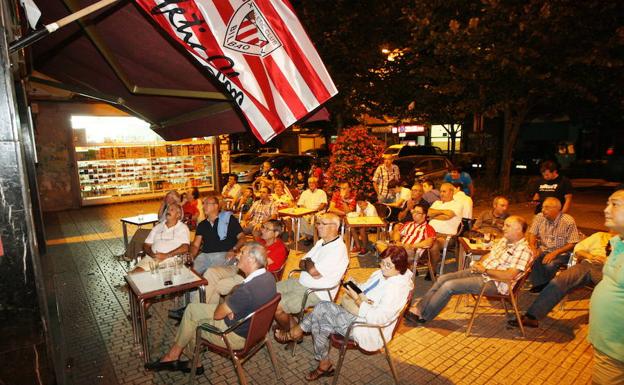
(342,201)
(416,198)
(218,238)
(261,211)
(400,196)
(431,193)
(222,279)
(314,199)
(491,221)
(509,257)
(360,234)
(552,237)
(232,190)
(591,255)
(414,236)
(445,217)
(257,288)
(466,203)
(166,240)
(324,265)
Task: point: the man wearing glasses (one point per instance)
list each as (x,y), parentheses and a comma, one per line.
(218,238)
(166,240)
(416,236)
(322,267)
(222,279)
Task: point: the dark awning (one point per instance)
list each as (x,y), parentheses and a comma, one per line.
(119,56)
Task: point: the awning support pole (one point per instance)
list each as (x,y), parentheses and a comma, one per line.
(44,31)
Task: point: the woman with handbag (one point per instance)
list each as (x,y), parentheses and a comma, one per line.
(380,299)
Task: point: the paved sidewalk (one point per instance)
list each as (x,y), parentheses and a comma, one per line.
(97,345)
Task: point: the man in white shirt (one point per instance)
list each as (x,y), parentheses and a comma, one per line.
(232,190)
(314,199)
(467,204)
(324,266)
(166,240)
(445,217)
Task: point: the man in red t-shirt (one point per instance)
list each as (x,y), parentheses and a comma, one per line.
(415,236)
(222,279)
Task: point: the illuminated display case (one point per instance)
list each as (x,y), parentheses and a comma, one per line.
(115,172)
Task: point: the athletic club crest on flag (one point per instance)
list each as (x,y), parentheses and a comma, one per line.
(248,32)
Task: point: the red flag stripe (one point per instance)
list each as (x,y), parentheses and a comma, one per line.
(294,51)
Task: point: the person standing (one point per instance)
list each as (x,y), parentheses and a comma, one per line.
(606,306)
(385,173)
(552,185)
(456,175)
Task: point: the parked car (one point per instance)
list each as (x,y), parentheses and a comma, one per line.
(241,163)
(419,167)
(402,150)
(247,172)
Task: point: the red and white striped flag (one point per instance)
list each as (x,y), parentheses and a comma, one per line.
(259,52)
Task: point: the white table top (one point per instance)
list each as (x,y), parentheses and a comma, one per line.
(141,219)
(147,282)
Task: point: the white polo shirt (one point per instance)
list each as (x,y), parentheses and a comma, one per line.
(405,195)
(164,239)
(466,202)
(448,226)
(331,261)
(312,200)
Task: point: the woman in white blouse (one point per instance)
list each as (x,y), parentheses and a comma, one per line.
(382,298)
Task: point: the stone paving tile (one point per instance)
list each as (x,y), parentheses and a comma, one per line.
(94,306)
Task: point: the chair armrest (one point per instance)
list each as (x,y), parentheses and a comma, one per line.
(361,324)
(215,330)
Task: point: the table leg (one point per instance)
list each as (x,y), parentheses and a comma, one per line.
(146,354)
(125,235)
(133,315)
(461,258)
(202,294)
(347,237)
(297,230)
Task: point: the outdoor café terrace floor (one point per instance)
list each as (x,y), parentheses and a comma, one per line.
(95,343)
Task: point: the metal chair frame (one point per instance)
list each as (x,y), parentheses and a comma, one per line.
(238,357)
(343,342)
(511,296)
(304,301)
(447,242)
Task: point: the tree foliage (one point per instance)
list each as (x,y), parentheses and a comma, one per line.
(355,156)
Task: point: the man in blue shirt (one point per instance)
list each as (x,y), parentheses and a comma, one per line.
(456,175)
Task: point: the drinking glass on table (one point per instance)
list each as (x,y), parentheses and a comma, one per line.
(188,260)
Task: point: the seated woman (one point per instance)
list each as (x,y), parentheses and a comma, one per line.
(383,296)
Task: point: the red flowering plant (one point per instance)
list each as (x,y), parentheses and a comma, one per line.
(354,158)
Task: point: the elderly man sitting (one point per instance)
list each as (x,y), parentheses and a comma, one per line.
(166,240)
(416,198)
(552,237)
(509,256)
(445,217)
(261,211)
(314,199)
(323,267)
(257,288)
(491,221)
(591,255)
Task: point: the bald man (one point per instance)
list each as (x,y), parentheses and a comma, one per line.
(509,257)
(552,237)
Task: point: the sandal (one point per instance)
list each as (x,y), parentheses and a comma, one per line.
(318,373)
(284,337)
